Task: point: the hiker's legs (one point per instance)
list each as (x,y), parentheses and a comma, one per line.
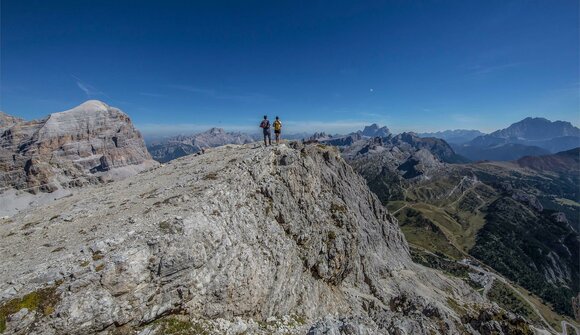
(277,137)
(269,138)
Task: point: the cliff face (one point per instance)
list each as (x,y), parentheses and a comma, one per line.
(241,239)
(87,144)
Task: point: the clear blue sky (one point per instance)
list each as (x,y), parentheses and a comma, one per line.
(320,65)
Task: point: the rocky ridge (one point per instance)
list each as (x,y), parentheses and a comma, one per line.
(242,239)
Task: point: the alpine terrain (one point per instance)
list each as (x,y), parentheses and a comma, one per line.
(179,146)
(520,218)
(239,240)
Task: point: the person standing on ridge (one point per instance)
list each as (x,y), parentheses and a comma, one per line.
(277,129)
(265,125)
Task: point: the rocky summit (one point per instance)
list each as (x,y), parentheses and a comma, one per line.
(90,143)
(240,240)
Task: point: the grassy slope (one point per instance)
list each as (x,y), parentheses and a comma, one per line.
(451,221)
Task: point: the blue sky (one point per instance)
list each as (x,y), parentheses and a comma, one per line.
(182,66)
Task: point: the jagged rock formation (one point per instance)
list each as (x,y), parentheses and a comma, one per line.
(87,144)
(322,136)
(241,239)
(375,131)
(404,156)
(7,120)
(344,141)
(406,143)
(180,146)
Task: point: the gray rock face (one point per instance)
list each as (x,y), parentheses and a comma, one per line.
(529,199)
(241,238)
(180,146)
(404,156)
(89,143)
(375,131)
(7,120)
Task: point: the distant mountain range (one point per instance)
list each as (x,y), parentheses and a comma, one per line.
(457,136)
(181,145)
(562,162)
(529,137)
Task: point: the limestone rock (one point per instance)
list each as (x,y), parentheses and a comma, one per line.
(276,240)
(88,144)
(7,120)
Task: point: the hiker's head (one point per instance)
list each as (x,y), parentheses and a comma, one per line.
(265,117)
(277,118)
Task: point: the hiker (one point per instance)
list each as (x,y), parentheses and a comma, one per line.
(277,129)
(265,125)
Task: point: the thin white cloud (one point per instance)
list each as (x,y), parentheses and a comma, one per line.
(89,90)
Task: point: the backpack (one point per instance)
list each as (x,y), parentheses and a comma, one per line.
(277,125)
(265,124)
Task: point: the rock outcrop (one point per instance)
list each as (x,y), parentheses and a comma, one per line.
(242,239)
(90,143)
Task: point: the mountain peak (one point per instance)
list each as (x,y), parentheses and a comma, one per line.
(535,120)
(216,131)
(537,128)
(375,131)
(72,147)
(89,106)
